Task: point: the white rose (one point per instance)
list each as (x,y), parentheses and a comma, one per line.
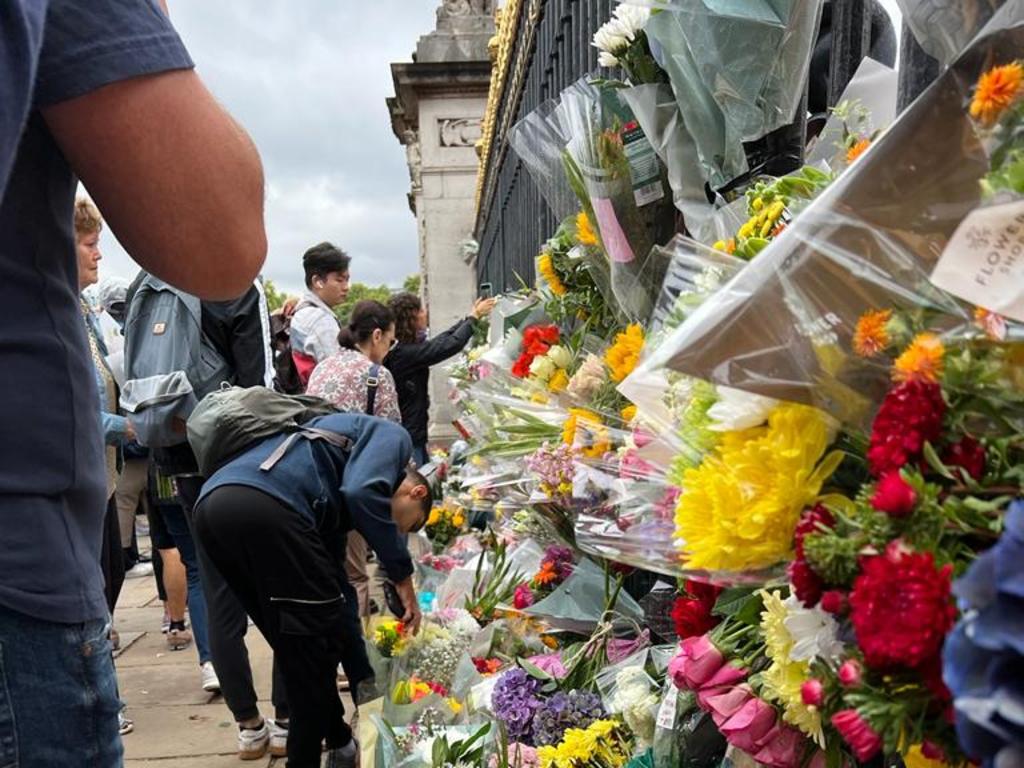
(542,368)
(560,356)
(737,410)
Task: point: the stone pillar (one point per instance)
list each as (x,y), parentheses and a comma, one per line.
(436,114)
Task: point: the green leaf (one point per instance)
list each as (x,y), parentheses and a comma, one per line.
(935,462)
(732,601)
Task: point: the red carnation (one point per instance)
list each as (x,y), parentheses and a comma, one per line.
(900,607)
(910,415)
(969,455)
(521,367)
(807,584)
(894,496)
(834,601)
(692,615)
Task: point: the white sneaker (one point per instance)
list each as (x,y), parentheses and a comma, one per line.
(139,570)
(210,681)
(252,742)
(278,738)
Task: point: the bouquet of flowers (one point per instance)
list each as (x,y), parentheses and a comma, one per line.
(554,569)
(388,637)
(444,524)
(603,744)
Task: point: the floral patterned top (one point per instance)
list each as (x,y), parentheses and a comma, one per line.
(341,380)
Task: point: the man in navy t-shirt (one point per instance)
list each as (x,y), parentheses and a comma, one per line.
(101,90)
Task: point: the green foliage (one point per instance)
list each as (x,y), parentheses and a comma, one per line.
(412,284)
(275,298)
(358,292)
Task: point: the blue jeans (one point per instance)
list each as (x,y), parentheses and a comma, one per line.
(178,526)
(58,694)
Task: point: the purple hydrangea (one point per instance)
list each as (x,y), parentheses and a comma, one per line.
(575,709)
(515,701)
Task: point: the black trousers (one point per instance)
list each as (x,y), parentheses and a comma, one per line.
(291,584)
(227,625)
(112,556)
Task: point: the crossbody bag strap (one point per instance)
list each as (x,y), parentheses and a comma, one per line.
(306,433)
(372,382)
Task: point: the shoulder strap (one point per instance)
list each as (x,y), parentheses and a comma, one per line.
(372,382)
(308,433)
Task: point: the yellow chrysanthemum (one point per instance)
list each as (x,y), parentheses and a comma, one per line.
(546,269)
(585,430)
(547,756)
(857,150)
(783,679)
(740,506)
(622,356)
(435,516)
(585,233)
(872,333)
(559,381)
(996,91)
(921,361)
(914,758)
(628,413)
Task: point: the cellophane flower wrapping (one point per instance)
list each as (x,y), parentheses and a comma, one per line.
(732,67)
(786,326)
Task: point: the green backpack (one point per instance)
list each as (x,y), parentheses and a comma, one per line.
(231,419)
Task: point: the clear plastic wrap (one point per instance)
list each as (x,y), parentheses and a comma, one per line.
(943,29)
(733,67)
(786,327)
(578,604)
(628,691)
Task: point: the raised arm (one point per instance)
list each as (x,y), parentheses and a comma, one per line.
(177,179)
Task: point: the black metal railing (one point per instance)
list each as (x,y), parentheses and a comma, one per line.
(551,51)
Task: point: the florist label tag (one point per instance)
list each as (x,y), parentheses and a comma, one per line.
(667,712)
(984,261)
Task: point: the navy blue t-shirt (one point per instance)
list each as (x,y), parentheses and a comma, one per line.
(52,477)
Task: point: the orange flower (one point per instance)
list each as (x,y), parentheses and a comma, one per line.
(585,230)
(921,361)
(546,574)
(857,150)
(872,333)
(997,89)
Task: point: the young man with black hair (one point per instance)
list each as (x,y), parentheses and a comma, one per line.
(274,522)
(314,326)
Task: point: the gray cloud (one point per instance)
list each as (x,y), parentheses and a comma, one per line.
(308,80)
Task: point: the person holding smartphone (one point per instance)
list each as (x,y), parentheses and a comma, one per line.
(413,355)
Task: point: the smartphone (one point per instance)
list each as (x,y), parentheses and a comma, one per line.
(486,291)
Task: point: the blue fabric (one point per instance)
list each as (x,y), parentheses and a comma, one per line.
(318,480)
(177,525)
(21,37)
(52,478)
(58,694)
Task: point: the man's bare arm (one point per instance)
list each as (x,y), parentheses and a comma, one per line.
(177,179)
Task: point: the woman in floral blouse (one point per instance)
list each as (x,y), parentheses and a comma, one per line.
(344,380)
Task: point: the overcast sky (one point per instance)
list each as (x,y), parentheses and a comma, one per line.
(308,79)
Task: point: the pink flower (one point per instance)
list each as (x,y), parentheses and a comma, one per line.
(550,663)
(642,437)
(850,673)
(697,662)
(857,733)
(723,703)
(523,597)
(781,748)
(812,692)
(726,675)
(749,725)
